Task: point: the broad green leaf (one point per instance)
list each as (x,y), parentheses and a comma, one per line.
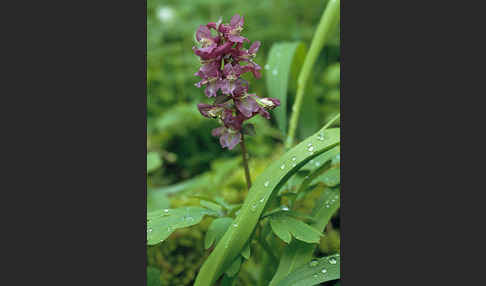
(161,223)
(316,272)
(297,253)
(153,161)
(283,226)
(266,184)
(216,230)
(283,57)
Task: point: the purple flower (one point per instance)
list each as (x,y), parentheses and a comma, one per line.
(210,111)
(211,76)
(232,31)
(247,105)
(221,56)
(254,68)
(227,138)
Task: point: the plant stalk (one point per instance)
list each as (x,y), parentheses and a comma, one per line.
(329,19)
(245,161)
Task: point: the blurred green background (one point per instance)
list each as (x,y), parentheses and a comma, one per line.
(183,157)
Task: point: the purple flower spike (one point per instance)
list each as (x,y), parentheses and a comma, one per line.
(254,48)
(230,139)
(220,74)
(210,111)
(247,105)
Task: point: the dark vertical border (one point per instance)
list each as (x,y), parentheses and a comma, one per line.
(82,185)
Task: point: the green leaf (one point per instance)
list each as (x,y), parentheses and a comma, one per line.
(234,268)
(157,200)
(246,251)
(282,59)
(186,185)
(216,230)
(316,272)
(266,184)
(153,161)
(297,253)
(331,177)
(283,226)
(211,205)
(161,223)
(322,159)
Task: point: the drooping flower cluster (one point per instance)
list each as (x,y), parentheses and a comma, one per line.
(221,52)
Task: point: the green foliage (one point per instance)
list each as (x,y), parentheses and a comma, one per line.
(153,276)
(203,187)
(283,226)
(297,253)
(161,223)
(216,230)
(314,273)
(274,177)
(283,58)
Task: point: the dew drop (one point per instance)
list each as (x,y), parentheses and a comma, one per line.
(266,184)
(315,276)
(274,72)
(267,67)
(190,218)
(320,136)
(166,211)
(253,206)
(318,164)
(235,225)
(294,158)
(282,167)
(332,260)
(324,270)
(262,200)
(285,208)
(313,263)
(327,206)
(149,230)
(310,148)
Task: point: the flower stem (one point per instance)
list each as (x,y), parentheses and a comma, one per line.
(245,161)
(329,19)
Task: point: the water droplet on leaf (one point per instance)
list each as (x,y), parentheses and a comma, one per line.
(332,260)
(282,167)
(266,184)
(324,271)
(313,263)
(310,148)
